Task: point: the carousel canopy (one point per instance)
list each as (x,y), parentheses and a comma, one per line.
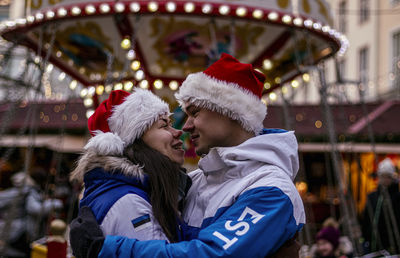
(156,44)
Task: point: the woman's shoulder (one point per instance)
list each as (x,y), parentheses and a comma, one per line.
(132,216)
(131,204)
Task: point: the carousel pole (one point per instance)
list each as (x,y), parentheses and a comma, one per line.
(286,113)
(351,223)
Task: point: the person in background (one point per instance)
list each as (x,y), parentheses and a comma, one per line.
(56,243)
(330,243)
(381,216)
(242,201)
(25,210)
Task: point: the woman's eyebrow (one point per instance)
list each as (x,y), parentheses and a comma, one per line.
(167,121)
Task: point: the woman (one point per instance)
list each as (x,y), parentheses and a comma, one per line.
(132,167)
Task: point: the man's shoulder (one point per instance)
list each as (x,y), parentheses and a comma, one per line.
(271,172)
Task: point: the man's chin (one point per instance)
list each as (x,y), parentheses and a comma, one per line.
(201,151)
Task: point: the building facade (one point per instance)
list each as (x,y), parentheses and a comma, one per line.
(370,68)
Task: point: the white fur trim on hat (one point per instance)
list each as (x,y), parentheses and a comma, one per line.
(107,144)
(228,99)
(136,114)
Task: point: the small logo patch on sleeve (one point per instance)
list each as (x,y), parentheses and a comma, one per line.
(141,222)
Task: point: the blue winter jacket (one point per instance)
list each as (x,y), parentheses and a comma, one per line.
(117,191)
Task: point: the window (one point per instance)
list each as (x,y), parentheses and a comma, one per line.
(395,2)
(364,10)
(342,16)
(396,60)
(363,68)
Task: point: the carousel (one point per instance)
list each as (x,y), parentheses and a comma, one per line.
(105,45)
(86,49)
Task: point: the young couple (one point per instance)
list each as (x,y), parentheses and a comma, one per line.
(241,202)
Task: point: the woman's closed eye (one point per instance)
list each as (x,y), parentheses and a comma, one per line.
(165,124)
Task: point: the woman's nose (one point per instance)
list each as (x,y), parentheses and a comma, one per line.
(176,133)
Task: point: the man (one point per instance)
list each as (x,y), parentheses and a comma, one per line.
(381,216)
(242,202)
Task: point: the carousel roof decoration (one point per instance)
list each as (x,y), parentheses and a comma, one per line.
(107,45)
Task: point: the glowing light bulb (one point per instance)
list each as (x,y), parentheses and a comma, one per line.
(119,7)
(144,84)
(272,96)
(207,8)
(287,19)
(170,6)
(139,75)
(189,7)
(258,14)
(134,7)
(267,64)
(273,16)
(126,43)
(135,65)
(173,85)
(241,11)
(76,10)
(158,84)
(152,6)
(73,84)
(224,9)
(128,86)
(104,8)
(90,9)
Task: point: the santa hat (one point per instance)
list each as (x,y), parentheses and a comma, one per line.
(123,118)
(386,167)
(230,88)
(329,234)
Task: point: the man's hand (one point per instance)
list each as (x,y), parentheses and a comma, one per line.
(85,235)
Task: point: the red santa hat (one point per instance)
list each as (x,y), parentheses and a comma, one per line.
(230,88)
(123,118)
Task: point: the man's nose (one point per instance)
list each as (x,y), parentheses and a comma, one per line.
(188,126)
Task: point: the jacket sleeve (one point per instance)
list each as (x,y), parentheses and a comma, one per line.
(132,216)
(256,225)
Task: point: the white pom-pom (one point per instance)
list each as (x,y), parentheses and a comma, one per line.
(106,144)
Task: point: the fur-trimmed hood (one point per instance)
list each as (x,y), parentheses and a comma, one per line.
(90,160)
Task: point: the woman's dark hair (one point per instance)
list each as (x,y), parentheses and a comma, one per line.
(163,180)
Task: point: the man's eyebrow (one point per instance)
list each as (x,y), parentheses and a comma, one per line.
(190,108)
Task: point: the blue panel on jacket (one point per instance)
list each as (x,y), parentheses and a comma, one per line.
(103,189)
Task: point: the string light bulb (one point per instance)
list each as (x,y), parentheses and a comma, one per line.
(170,6)
(173,85)
(135,65)
(73,84)
(126,43)
(158,84)
(144,84)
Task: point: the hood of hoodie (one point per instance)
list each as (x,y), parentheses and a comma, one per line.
(279,149)
(111,164)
